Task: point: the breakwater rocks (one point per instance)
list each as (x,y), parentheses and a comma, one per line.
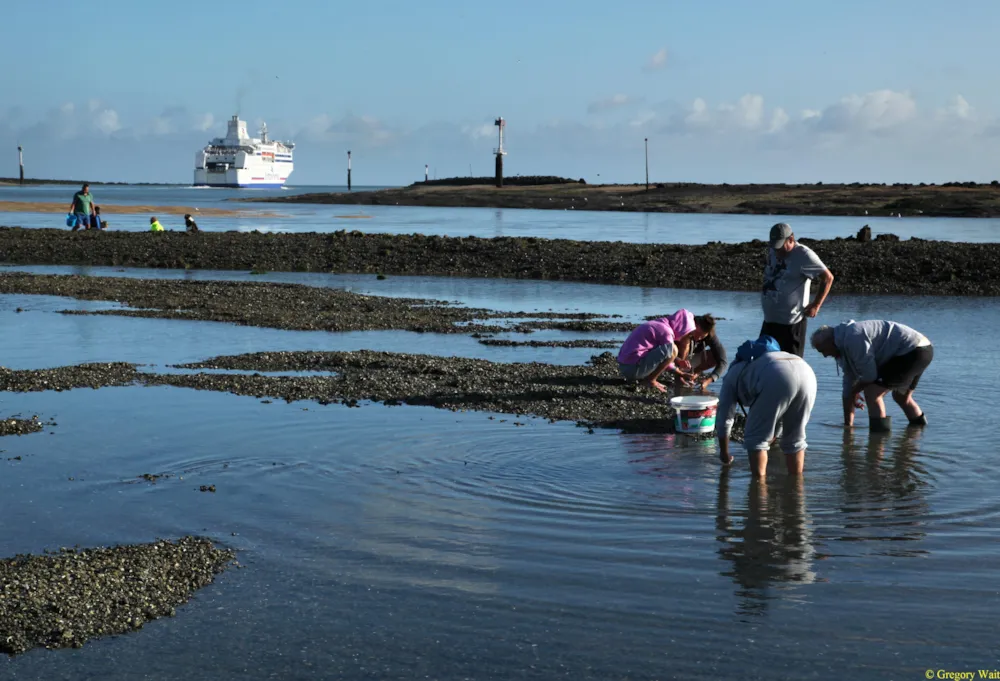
(69,597)
(948,200)
(286,306)
(913,266)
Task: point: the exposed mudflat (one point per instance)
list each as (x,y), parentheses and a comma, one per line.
(952,200)
(283,306)
(888,266)
(69,597)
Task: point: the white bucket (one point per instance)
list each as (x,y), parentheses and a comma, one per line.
(695,413)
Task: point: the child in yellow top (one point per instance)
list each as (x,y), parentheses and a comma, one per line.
(154,225)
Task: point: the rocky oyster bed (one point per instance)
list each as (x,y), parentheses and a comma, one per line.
(69,597)
(592,394)
(881,265)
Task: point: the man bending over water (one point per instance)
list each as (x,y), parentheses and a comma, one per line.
(877,356)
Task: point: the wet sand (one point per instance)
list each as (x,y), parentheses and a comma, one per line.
(110,209)
(957,200)
(913,266)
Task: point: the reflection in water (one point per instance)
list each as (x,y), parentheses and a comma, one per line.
(774,547)
(883,497)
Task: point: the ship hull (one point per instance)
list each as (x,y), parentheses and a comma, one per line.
(240,178)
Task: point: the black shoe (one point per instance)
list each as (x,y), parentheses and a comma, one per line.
(879,425)
(919,421)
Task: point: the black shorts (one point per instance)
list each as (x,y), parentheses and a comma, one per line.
(902,373)
(791,337)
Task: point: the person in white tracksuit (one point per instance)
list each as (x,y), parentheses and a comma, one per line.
(778,390)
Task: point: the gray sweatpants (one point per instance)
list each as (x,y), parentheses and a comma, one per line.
(783,405)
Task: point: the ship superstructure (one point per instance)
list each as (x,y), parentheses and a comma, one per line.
(238,160)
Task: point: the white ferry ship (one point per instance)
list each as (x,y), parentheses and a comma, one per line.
(238,160)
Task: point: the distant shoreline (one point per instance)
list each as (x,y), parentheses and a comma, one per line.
(953,199)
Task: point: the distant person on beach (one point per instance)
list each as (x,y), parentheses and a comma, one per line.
(154,225)
(82,207)
(877,356)
(790,269)
(778,391)
(655,345)
(707,355)
(190,224)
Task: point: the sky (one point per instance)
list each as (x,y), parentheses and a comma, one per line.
(770,91)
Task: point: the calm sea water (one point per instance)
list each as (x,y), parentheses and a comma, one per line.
(482,222)
(406,542)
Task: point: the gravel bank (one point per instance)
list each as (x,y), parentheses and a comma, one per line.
(913,266)
(67,598)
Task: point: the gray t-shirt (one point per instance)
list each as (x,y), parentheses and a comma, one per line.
(786,284)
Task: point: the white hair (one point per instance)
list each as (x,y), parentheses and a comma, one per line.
(821,334)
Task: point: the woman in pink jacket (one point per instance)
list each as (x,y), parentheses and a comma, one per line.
(655,345)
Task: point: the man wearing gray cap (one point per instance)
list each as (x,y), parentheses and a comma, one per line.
(791,268)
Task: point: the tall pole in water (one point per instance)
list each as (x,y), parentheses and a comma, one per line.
(647,164)
(348,171)
(20,162)
(426,172)
(500,153)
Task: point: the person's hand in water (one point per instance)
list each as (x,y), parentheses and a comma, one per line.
(705,382)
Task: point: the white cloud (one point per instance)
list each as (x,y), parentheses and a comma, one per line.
(878,111)
(779,119)
(106,120)
(608,103)
(642,119)
(351,129)
(204,122)
(657,61)
(960,109)
(747,113)
(477,132)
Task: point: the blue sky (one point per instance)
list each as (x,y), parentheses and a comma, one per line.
(784,91)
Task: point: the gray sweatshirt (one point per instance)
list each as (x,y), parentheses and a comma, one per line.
(865,346)
(743,384)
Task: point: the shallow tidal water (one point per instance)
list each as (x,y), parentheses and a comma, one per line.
(684,228)
(404,542)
